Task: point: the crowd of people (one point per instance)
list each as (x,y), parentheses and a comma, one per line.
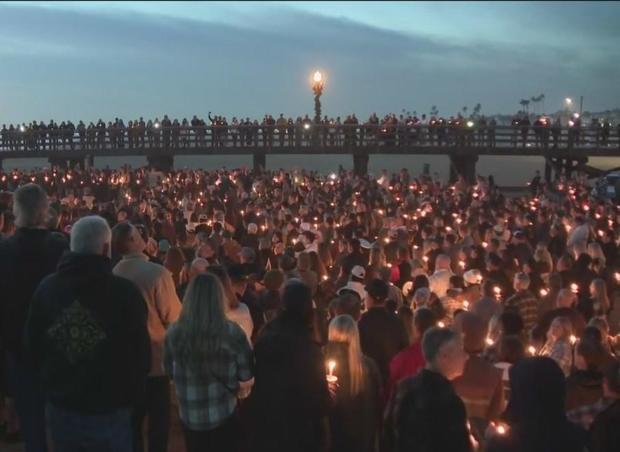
(218,132)
(297,312)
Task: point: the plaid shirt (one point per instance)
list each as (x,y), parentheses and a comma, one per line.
(585,415)
(207,392)
(561,352)
(526,305)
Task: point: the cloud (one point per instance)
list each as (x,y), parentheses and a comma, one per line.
(126,63)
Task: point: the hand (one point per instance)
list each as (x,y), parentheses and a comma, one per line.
(333,389)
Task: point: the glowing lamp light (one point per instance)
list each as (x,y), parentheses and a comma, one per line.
(317,77)
(156,125)
(306,126)
(571,123)
(332,176)
(22,129)
(470,123)
(568,100)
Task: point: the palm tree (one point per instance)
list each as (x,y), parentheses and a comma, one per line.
(465,110)
(434,111)
(542,99)
(477,109)
(525,104)
(534,100)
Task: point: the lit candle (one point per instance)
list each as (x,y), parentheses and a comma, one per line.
(497,291)
(573,339)
(617,276)
(489,341)
(574,288)
(462,264)
(484,244)
(532,350)
(331,378)
(543,292)
(465,305)
(441,324)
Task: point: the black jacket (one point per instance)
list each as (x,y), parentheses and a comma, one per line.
(382,336)
(604,432)
(25,259)
(290,395)
(427,416)
(86,334)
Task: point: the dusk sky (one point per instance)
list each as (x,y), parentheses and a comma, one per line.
(103,59)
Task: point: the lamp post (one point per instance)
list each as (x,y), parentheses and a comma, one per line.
(317,87)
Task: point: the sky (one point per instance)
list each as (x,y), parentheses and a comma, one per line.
(91,60)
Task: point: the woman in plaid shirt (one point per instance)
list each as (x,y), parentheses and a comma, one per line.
(558,346)
(210,360)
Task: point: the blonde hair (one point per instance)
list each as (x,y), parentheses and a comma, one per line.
(377,256)
(343,330)
(596,252)
(600,289)
(198,332)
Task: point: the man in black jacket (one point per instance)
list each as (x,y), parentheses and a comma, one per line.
(25,259)
(382,334)
(86,332)
(425,413)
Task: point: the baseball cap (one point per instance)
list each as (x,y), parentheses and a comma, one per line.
(358,271)
(472,277)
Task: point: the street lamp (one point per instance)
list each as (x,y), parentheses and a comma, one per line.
(317,87)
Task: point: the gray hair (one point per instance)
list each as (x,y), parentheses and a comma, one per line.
(90,234)
(30,206)
(434,339)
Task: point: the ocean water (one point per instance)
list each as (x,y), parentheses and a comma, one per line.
(508,171)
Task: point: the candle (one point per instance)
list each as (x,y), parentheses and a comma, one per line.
(465,305)
(617,276)
(543,292)
(484,244)
(573,339)
(574,288)
(532,350)
(489,341)
(331,378)
(497,291)
(462,264)
(441,324)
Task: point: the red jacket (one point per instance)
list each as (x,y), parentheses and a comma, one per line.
(405,364)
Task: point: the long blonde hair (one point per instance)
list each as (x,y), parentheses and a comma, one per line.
(343,330)
(600,296)
(198,332)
